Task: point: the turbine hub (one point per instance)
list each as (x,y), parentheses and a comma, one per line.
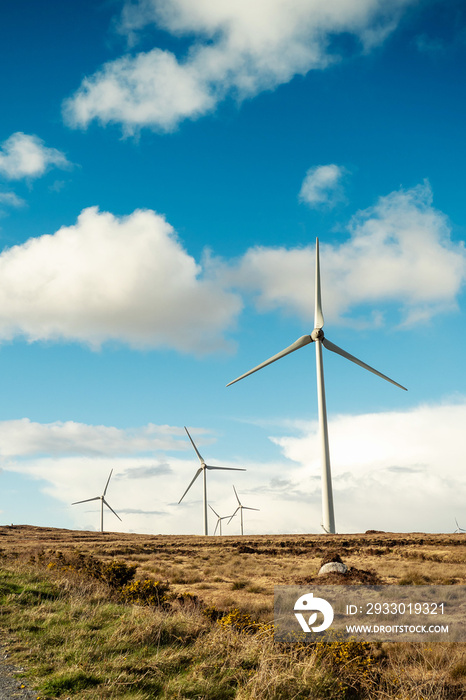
(317,334)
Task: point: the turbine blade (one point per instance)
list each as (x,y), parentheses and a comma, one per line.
(108,481)
(318,315)
(334,348)
(218,523)
(86,500)
(230,469)
(236,494)
(231,517)
(304,340)
(214,512)
(110,508)
(192,482)
(247,508)
(195,448)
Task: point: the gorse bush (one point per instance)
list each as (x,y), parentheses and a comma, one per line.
(243,622)
(213,613)
(146,592)
(115,574)
(350,659)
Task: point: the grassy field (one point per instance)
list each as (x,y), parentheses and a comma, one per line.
(97,616)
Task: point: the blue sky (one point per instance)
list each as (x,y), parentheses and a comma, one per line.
(165,169)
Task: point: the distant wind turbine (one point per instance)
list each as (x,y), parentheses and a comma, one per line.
(219,520)
(240,508)
(102,501)
(203,468)
(317,337)
(458,528)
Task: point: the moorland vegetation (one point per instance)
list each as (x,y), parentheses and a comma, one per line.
(124,616)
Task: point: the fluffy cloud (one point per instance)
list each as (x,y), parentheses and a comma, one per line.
(322,185)
(71,479)
(26,156)
(395,470)
(239,48)
(106,278)
(24,438)
(399,252)
(72,462)
(399,470)
(10,199)
(129,279)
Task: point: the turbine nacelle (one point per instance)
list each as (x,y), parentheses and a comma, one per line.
(317,334)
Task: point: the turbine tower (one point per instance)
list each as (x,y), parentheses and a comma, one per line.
(203,468)
(317,337)
(102,501)
(240,508)
(219,520)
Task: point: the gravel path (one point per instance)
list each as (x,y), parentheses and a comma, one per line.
(12,687)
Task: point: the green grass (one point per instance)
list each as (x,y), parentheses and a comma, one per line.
(78,643)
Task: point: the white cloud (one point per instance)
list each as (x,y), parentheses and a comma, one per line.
(26,156)
(399,470)
(25,438)
(396,470)
(399,252)
(239,48)
(322,185)
(70,479)
(129,279)
(106,278)
(10,199)
(72,461)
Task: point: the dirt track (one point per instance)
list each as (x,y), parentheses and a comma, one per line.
(12,687)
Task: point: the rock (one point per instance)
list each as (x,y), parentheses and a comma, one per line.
(332,567)
(331,557)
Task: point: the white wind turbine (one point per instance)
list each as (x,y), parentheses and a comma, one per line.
(240,508)
(102,501)
(203,468)
(458,528)
(317,337)
(219,519)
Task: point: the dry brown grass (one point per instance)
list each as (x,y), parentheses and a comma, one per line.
(217,566)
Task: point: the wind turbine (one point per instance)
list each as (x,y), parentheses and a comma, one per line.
(240,508)
(102,501)
(219,520)
(317,337)
(203,468)
(458,528)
